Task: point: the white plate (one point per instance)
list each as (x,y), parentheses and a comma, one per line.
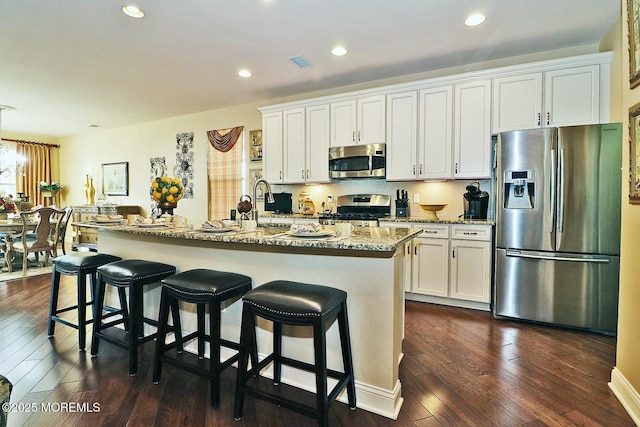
(321,233)
(151,225)
(219,230)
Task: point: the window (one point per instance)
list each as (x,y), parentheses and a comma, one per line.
(8,168)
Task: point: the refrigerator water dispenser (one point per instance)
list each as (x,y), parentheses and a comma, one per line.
(519,189)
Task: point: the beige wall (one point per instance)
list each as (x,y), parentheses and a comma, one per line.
(628,351)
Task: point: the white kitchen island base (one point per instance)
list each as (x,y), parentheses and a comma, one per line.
(372,280)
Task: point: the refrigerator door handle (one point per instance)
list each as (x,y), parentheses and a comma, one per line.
(560,201)
(545,256)
(552,191)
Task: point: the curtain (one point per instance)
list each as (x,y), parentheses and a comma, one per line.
(224,171)
(37,167)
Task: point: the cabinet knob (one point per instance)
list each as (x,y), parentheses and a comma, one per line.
(548,118)
(353,136)
(420,168)
(307,173)
(456,167)
(359,138)
(302,173)
(539,119)
(453,252)
(414,169)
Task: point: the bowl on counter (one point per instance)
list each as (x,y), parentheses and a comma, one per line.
(432,209)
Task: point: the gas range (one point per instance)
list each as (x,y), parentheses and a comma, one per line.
(362,210)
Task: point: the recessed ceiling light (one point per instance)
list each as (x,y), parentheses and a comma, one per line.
(475,19)
(244,73)
(339,51)
(132,11)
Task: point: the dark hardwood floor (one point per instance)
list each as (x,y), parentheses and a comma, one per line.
(461,368)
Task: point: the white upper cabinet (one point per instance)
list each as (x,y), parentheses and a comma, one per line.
(402,129)
(472,130)
(435,143)
(358,121)
(571,97)
(517,102)
(317,144)
(272,159)
(294,146)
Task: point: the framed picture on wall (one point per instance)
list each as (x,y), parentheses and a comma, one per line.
(115,179)
(255,140)
(633,18)
(634,153)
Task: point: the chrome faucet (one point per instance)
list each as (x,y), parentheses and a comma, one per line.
(254,211)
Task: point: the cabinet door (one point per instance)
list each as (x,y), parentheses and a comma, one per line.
(472,131)
(470,270)
(343,123)
(317,150)
(272,146)
(402,115)
(436,127)
(430,267)
(371,120)
(517,102)
(293,146)
(572,96)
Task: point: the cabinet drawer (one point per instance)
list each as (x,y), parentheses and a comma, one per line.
(434,231)
(88,237)
(471,232)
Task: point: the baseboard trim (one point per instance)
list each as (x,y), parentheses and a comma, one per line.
(626,394)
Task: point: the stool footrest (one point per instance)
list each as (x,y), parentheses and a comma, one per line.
(68,322)
(75,307)
(192,363)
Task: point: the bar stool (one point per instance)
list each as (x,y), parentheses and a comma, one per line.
(132,274)
(80,265)
(293,303)
(200,287)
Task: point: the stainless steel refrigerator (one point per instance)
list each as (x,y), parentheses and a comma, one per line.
(558,226)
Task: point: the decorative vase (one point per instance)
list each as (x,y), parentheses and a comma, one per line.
(87,189)
(92,192)
(167,208)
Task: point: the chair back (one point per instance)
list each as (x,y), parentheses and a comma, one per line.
(62,227)
(47,228)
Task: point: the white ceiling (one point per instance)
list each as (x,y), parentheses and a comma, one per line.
(68,64)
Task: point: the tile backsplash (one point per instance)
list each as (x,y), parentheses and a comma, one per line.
(436,192)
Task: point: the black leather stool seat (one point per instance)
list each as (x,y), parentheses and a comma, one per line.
(294,299)
(80,265)
(200,287)
(135,272)
(293,303)
(132,274)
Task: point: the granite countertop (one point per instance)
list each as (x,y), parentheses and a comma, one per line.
(372,239)
(458,221)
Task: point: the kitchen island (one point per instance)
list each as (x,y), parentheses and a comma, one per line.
(368,265)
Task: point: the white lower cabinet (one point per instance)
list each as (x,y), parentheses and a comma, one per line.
(451,264)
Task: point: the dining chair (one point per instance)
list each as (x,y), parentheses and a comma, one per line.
(46,236)
(62,228)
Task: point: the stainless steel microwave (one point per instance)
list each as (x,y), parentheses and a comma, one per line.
(358,161)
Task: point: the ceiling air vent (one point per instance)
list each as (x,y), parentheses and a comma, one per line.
(300,61)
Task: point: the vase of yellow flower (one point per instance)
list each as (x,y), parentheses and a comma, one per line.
(166,192)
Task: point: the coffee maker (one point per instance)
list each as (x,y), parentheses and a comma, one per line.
(476,202)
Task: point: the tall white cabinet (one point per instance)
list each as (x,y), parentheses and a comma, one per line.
(296,145)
